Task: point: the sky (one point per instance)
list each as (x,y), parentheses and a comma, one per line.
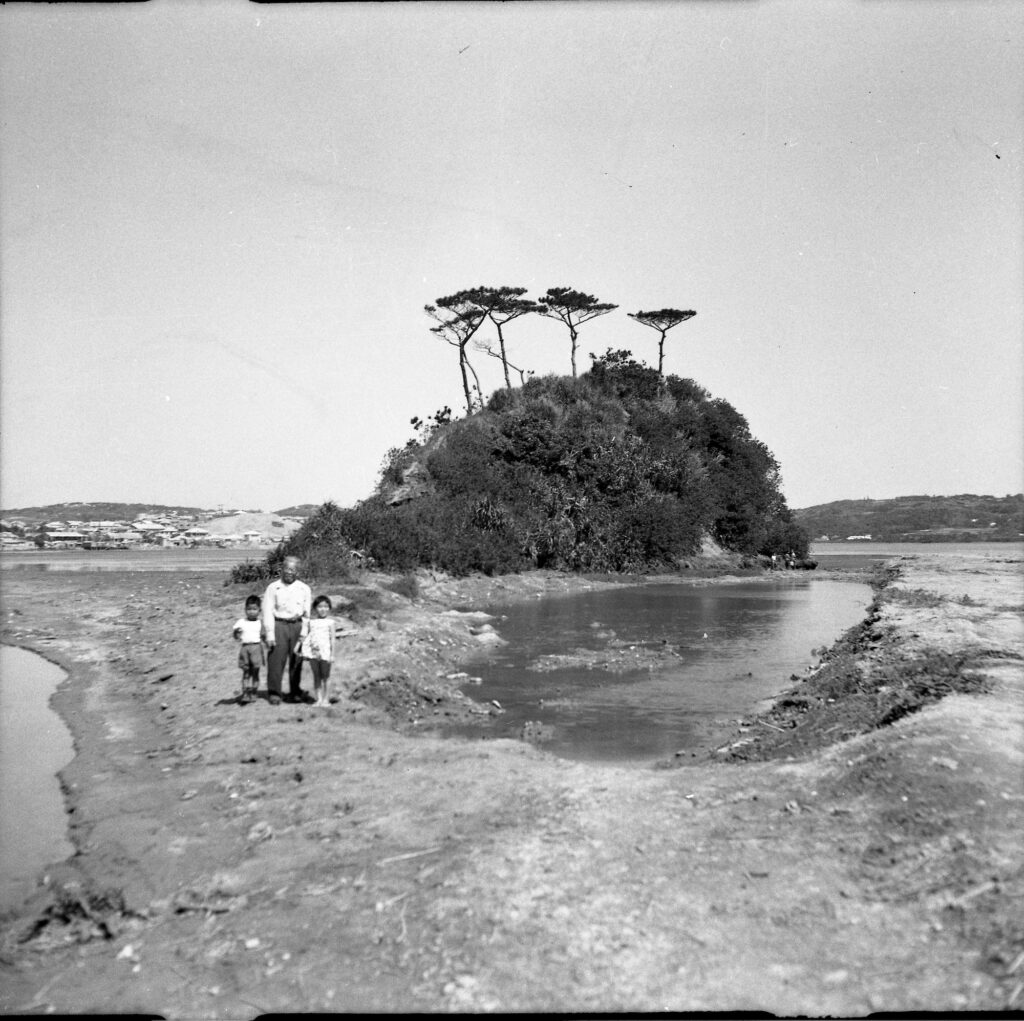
(220,223)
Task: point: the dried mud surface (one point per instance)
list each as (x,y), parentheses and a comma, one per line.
(855,849)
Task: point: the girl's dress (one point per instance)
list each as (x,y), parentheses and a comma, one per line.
(319,642)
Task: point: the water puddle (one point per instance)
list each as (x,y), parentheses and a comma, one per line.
(34,745)
(635,674)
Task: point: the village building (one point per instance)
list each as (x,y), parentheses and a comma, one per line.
(64,537)
(117,535)
(13,540)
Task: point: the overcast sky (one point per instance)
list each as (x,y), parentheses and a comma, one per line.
(221,222)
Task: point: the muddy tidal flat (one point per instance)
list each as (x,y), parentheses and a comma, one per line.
(856,848)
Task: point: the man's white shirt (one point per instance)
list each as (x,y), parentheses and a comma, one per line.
(286,602)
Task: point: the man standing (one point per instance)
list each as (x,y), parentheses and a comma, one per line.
(286,608)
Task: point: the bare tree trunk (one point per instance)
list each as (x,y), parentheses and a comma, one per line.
(504,360)
(476,380)
(463,362)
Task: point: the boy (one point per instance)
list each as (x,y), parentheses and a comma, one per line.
(249,631)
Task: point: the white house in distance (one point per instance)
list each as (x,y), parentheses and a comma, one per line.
(64,536)
(152,528)
(122,534)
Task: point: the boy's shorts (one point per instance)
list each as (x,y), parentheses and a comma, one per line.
(251,656)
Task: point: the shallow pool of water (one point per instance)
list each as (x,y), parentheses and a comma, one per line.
(729,647)
(34,745)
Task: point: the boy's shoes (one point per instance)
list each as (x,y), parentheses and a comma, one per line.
(246,698)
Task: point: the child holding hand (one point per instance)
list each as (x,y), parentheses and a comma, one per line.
(318,648)
(249,631)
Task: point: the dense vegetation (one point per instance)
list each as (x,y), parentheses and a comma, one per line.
(620,469)
(962,518)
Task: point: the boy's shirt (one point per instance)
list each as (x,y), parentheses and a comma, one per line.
(249,631)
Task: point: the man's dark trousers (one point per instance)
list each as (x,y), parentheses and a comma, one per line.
(286,634)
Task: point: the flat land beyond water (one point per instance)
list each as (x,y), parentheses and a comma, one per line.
(857,848)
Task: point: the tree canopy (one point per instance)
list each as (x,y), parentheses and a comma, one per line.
(573,308)
(464,317)
(501,305)
(663,320)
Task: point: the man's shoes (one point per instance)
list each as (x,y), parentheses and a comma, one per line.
(290,699)
(274,699)
(305,696)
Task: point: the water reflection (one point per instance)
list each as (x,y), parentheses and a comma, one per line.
(208,559)
(709,655)
(34,745)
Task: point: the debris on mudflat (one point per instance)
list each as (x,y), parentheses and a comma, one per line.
(77,913)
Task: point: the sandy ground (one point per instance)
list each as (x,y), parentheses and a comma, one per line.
(856,849)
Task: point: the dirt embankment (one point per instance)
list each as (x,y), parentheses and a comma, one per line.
(856,849)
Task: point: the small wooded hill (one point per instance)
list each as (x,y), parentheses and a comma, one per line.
(961,518)
(618,470)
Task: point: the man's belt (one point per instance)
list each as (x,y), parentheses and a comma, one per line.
(288,620)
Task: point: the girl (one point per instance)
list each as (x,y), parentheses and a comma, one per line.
(318,648)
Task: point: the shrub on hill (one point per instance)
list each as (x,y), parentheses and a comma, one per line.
(618,470)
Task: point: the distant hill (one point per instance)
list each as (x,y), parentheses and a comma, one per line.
(78,511)
(98,511)
(300,510)
(270,525)
(963,518)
